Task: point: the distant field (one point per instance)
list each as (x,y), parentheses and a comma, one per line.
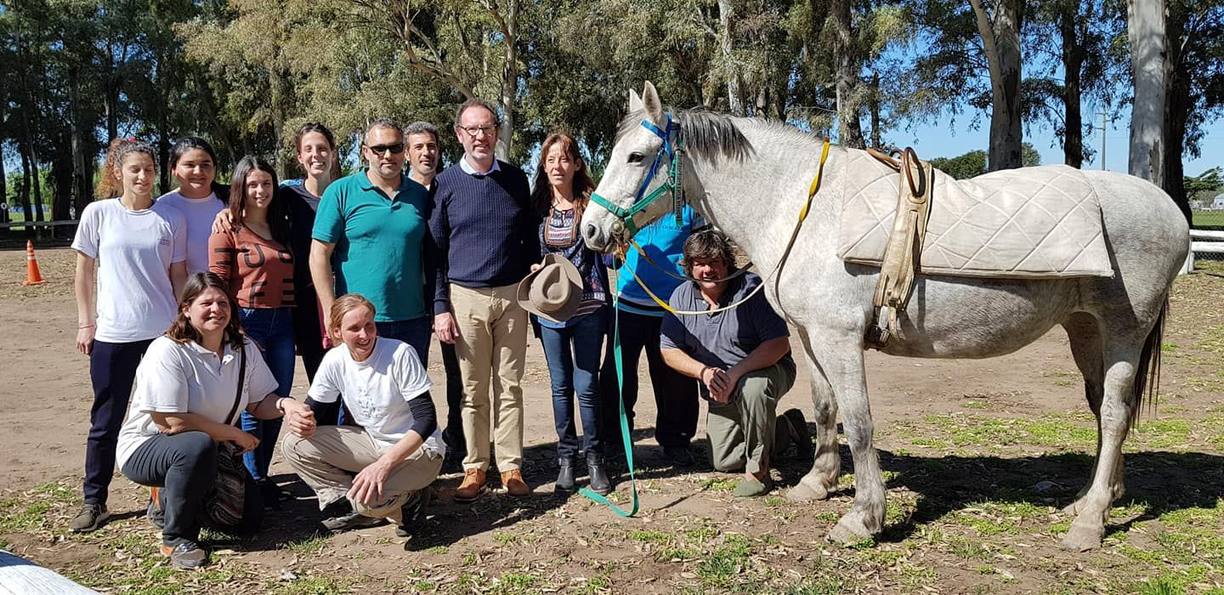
(1208,218)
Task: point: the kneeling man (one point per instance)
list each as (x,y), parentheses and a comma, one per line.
(397,450)
(741,356)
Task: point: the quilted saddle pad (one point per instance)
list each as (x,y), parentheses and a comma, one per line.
(1035,222)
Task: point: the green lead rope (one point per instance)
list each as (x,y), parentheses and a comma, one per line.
(626,436)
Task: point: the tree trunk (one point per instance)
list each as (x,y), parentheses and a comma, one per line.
(877,137)
(509,83)
(735,101)
(4,210)
(1073,65)
(1178,106)
(63,178)
(1001,43)
(849,128)
(81,166)
(1145,27)
(24,194)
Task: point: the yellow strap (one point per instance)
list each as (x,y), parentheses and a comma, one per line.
(815,187)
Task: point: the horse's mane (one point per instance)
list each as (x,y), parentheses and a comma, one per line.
(712,136)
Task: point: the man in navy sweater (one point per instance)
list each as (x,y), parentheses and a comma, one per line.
(486,233)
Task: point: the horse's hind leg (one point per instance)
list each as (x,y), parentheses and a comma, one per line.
(1121,360)
(1084,334)
(822,478)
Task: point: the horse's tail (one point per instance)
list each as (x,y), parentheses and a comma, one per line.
(1147,375)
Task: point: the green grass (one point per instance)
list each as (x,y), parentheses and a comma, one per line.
(307,546)
(514,583)
(316,585)
(722,566)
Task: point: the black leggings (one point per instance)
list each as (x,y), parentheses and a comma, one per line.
(185,467)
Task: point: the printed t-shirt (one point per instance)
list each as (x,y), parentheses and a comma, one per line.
(377,390)
(259,270)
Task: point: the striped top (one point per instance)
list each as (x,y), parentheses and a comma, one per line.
(558,235)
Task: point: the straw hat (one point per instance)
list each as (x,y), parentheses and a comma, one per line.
(553,291)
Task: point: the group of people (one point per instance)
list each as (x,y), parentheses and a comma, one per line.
(193,305)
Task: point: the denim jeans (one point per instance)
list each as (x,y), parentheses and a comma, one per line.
(573,355)
(272,330)
(414,332)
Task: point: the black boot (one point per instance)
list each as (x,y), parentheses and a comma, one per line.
(598,473)
(565,476)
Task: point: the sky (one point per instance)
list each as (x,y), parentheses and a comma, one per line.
(957,136)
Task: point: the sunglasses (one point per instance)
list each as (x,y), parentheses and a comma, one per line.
(394,149)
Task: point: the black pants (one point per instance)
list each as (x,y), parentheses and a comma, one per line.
(453,434)
(308,337)
(185,467)
(112,369)
(675,393)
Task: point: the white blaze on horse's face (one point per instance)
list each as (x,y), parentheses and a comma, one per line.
(627,168)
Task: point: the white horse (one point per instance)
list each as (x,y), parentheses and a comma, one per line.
(749,178)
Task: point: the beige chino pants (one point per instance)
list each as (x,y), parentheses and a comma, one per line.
(492,349)
(327,460)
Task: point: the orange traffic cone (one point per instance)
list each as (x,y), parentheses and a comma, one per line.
(33,275)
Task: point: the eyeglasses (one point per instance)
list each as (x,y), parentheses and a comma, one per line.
(474,131)
(394,149)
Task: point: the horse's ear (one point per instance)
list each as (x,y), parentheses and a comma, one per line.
(635,102)
(651,103)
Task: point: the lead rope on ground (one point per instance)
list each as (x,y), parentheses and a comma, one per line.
(626,435)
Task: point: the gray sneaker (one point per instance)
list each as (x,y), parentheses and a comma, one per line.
(91,517)
(349,521)
(186,555)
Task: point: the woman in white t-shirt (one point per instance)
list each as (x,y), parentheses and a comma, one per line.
(397,450)
(186,401)
(198,196)
(130,263)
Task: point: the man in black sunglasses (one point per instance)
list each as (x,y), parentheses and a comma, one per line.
(371,236)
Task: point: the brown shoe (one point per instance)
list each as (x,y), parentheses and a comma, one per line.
(512,480)
(472,487)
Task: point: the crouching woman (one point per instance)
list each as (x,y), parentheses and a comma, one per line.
(189,389)
(397,450)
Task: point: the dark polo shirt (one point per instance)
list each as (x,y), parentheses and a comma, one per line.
(722,339)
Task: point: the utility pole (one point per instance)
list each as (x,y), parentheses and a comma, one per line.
(1104,128)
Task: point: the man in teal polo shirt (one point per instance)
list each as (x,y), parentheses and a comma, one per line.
(371,236)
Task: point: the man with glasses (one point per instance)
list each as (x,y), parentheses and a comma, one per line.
(371,236)
(485,229)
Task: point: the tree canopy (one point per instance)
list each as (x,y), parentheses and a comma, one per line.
(246,73)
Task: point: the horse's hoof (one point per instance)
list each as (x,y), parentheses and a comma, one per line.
(850,530)
(1083,537)
(806,491)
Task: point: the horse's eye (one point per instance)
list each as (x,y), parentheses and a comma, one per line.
(635,158)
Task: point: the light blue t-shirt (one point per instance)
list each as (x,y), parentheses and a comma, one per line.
(378,242)
(663,240)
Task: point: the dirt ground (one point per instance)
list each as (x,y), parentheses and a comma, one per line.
(979,457)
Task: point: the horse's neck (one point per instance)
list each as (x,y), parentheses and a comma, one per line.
(757,201)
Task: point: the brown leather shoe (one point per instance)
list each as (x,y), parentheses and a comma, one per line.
(472,487)
(512,480)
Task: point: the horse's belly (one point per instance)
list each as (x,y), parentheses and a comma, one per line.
(972,318)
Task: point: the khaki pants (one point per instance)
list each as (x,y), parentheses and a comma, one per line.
(492,347)
(327,461)
(742,431)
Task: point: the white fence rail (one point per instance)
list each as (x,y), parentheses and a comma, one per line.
(1203,242)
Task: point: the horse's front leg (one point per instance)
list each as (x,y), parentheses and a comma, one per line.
(826,466)
(843,365)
